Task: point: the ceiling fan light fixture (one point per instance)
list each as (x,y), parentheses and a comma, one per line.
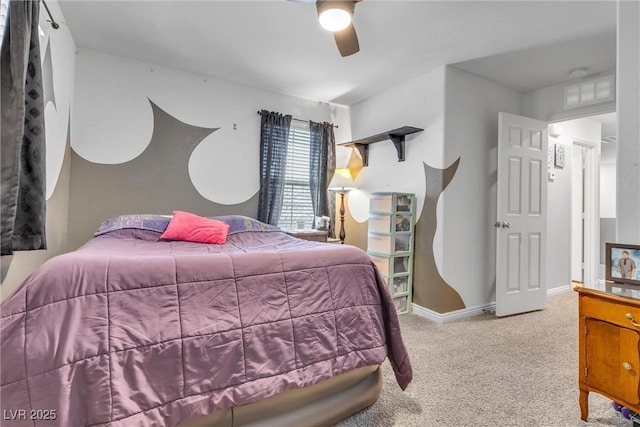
(335,15)
(578,72)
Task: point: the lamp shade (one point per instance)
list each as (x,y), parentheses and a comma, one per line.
(341,181)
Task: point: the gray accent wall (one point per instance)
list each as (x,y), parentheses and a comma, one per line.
(438,296)
(155,182)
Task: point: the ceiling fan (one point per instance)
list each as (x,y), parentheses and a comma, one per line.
(336,16)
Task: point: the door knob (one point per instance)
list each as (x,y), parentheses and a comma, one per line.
(506,225)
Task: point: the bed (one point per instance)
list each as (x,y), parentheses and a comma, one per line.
(134,330)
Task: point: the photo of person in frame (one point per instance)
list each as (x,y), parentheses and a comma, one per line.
(626,266)
(622,260)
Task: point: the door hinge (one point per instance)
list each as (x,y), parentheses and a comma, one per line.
(586,330)
(586,371)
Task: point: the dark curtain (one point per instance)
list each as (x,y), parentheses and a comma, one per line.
(274,138)
(23,198)
(322,163)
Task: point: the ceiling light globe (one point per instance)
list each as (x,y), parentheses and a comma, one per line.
(578,72)
(335,19)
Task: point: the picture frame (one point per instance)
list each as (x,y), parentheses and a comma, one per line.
(322,223)
(618,270)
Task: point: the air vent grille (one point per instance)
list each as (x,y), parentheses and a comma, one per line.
(589,92)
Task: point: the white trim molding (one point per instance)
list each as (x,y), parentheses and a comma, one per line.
(464,313)
(559,290)
(452,315)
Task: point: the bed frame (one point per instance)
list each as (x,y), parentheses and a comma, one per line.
(319,405)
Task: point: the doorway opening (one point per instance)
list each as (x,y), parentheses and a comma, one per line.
(592,192)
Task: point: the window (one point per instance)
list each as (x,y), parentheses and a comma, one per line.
(4,9)
(296,204)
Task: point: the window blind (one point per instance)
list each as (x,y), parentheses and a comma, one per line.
(296,204)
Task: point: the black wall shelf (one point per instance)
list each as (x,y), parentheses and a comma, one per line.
(396,136)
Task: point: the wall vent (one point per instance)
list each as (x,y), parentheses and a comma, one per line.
(591,91)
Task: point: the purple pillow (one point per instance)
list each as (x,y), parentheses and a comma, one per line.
(159,223)
(150,222)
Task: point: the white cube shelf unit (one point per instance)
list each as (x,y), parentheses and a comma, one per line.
(390,243)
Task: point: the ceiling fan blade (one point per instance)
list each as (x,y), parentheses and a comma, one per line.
(347,41)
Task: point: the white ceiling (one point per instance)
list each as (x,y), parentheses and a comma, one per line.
(279,45)
(541,66)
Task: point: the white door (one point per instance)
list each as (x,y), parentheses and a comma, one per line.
(521,223)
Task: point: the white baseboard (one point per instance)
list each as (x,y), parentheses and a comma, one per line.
(452,315)
(559,290)
(470,311)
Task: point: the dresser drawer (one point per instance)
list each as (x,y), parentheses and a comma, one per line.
(392,265)
(382,263)
(402,304)
(400,285)
(611,312)
(380,223)
(389,244)
(381,203)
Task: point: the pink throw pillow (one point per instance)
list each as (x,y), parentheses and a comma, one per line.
(193,228)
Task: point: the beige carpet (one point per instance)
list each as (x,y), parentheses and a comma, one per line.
(487,371)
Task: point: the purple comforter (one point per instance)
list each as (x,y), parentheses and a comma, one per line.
(129,330)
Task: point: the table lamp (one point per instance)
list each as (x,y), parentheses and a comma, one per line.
(341,183)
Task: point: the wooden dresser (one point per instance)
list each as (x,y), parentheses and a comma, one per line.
(609,338)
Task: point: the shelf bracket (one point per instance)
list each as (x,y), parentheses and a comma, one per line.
(363,149)
(397,136)
(398,142)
